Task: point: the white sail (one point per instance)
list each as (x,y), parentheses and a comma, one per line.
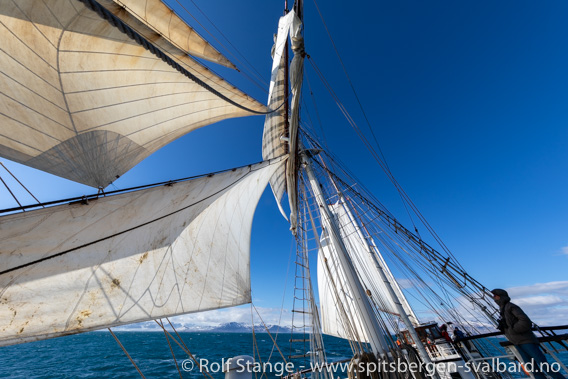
(361,254)
(364,252)
(273,144)
(82,100)
(132,257)
(296,79)
(159,17)
(276,139)
(338,312)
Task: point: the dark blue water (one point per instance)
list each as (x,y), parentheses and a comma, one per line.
(97,354)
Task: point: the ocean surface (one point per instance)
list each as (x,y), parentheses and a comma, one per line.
(97,355)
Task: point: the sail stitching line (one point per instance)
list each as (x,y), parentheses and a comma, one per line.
(161,122)
(31,90)
(58,70)
(20,142)
(113,53)
(120,25)
(128,86)
(119,70)
(39,30)
(138,100)
(127,230)
(35,111)
(25,44)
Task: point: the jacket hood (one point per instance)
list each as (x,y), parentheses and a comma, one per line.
(503,297)
(499,292)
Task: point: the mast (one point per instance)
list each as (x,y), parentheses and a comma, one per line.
(370,324)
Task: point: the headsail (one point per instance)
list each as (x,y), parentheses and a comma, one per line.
(81,99)
(127,258)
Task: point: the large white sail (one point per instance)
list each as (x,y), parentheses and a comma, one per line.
(331,279)
(81,99)
(137,256)
(339,316)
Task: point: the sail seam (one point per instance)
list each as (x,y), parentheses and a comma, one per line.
(29,126)
(58,70)
(120,25)
(34,111)
(27,46)
(184,93)
(31,90)
(155,111)
(131,85)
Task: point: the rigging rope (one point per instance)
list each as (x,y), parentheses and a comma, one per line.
(170,345)
(20,183)
(318,355)
(126,352)
(382,158)
(269,334)
(426,249)
(254,343)
(263,84)
(424,256)
(404,196)
(282,304)
(184,347)
(11,193)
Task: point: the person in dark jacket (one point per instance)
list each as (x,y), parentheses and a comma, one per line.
(517,327)
(459,336)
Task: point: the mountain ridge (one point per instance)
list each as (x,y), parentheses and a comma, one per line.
(228,327)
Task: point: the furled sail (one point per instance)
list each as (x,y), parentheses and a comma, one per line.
(273,143)
(159,17)
(277,138)
(86,100)
(132,257)
(296,79)
(362,254)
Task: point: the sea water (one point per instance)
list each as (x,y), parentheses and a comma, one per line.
(98,355)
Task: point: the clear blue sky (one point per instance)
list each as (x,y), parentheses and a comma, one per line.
(469,101)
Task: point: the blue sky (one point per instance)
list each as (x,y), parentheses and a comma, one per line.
(469,101)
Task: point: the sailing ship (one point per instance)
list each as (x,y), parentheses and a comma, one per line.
(91,88)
